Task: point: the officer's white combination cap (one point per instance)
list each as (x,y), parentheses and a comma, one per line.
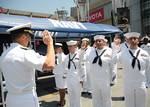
(132,34)
(71,42)
(27,25)
(100,37)
(85,39)
(58,44)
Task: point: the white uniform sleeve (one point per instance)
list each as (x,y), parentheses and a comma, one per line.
(113,68)
(147,73)
(34,60)
(64,65)
(82,70)
(83,61)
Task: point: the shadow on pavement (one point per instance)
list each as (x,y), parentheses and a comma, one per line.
(48,104)
(86,95)
(117,98)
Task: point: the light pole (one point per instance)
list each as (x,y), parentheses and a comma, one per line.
(114,13)
(78,12)
(82,9)
(88,9)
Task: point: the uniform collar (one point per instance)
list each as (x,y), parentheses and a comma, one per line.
(72,54)
(134,50)
(99,50)
(59,54)
(15,44)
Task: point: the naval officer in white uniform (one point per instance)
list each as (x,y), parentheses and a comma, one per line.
(136,63)
(18,64)
(60,78)
(102,73)
(75,74)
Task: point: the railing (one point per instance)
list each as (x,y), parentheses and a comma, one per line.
(3,90)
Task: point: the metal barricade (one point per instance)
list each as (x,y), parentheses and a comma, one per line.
(3,90)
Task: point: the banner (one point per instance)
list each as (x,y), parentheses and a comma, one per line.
(97,15)
(3,10)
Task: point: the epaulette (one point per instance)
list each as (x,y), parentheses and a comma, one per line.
(24,48)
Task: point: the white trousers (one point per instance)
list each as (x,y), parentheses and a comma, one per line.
(60,81)
(87,83)
(74,92)
(135,97)
(101,94)
(22,100)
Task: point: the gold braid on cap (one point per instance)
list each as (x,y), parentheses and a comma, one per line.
(29,31)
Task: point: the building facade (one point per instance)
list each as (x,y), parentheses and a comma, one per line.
(135,16)
(145,11)
(137,13)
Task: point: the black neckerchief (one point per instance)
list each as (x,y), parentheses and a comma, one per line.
(98,57)
(71,60)
(126,45)
(85,49)
(135,58)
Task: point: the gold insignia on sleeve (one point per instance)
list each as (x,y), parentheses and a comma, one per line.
(107,55)
(144,55)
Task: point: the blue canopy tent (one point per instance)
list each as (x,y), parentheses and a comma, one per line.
(63,29)
(38,24)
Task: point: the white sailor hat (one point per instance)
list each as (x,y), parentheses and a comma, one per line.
(100,37)
(85,39)
(132,34)
(58,45)
(145,38)
(24,28)
(71,42)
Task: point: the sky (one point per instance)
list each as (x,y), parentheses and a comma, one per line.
(42,6)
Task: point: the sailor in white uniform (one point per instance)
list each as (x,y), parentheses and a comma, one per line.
(75,74)
(116,44)
(85,49)
(5,46)
(146,45)
(125,44)
(102,73)
(18,64)
(136,65)
(58,71)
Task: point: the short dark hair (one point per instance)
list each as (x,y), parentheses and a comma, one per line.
(17,35)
